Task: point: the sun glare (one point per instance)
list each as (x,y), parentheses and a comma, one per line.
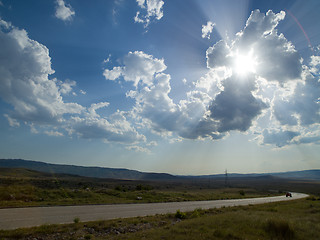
(244,64)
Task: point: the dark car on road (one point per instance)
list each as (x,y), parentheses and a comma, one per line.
(288,194)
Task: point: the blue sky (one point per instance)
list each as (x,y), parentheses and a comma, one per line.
(184,87)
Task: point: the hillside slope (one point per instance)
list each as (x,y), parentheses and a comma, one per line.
(126,174)
(97,172)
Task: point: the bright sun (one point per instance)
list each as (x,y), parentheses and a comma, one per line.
(244,64)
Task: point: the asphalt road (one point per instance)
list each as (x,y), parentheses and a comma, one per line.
(12,218)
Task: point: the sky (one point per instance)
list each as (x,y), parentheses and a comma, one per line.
(183,87)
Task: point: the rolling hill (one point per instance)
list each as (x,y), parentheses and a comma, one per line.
(126,174)
(96,172)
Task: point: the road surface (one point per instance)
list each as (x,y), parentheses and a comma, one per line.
(12,218)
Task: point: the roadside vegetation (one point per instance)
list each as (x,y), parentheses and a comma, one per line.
(298,219)
(22,195)
(21,188)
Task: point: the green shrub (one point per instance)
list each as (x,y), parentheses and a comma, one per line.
(196,213)
(242,193)
(141,187)
(76,220)
(180,215)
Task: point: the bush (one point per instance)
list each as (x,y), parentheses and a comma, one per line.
(312,198)
(180,215)
(76,220)
(242,193)
(141,187)
(195,214)
(121,188)
(279,229)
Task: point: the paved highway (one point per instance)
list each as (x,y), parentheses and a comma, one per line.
(12,218)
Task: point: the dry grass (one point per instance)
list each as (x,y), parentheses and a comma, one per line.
(297,219)
(22,188)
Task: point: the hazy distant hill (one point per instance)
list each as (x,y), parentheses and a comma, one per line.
(313,175)
(307,174)
(301,175)
(115,173)
(97,172)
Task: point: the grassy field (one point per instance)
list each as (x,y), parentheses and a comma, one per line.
(21,188)
(297,219)
(29,195)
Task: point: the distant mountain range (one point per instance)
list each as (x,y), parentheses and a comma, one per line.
(120,173)
(96,172)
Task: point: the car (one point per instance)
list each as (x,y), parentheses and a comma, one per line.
(288,194)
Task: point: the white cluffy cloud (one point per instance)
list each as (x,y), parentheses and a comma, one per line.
(63,11)
(138,149)
(152,9)
(154,109)
(38,101)
(207,29)
(66,87)
(54,133)
(12,122)
(114,128)
(95,106)
(270,80)
(138,68)
(25,84)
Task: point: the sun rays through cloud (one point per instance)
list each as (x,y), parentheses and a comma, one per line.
(245,63)
(229,16)
(192,78)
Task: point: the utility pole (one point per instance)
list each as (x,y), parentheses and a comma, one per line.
(226,177)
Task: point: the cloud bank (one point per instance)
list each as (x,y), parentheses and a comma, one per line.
(38,100)
(271,83)
(225,100)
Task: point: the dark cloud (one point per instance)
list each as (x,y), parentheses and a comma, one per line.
(205,128)
(218,55)
(258,26)
(279,138)
(235,107)
(307,140)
